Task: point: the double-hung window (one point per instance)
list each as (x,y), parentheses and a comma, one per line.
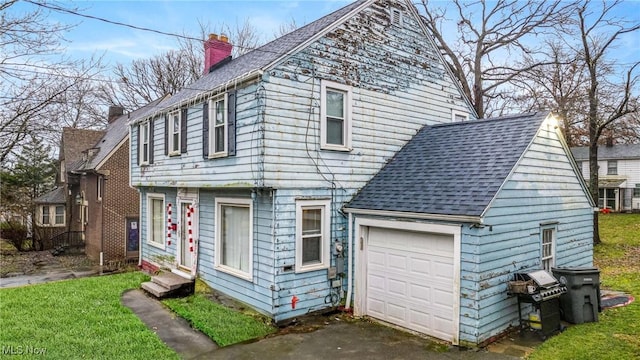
(144,143)
(548,247)
(218,130)
(155,220)
(459,116)
(234,236)
(313,224)
(612,167)
(51,215)
(174,133)
(335,116)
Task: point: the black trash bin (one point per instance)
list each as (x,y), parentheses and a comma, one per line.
(581,302)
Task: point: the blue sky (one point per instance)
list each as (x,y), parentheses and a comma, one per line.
(121,44)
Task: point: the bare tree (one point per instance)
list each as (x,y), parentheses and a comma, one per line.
(145,80)
(31,85)
(492,36)
(610,100)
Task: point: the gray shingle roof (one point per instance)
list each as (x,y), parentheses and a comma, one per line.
(74,142)
(616,152)
(55,196)
(257,59)
(452,169)
(116,132)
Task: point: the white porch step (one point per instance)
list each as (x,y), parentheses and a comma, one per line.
(170,281)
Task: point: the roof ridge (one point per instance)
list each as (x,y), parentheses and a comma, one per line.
(485,120)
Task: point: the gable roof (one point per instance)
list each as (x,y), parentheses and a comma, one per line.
(116,132)
(74,142)
(451,169)
(615,152)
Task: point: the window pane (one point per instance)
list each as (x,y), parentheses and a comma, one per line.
(311,248)
(176,124)
(311,221)
(60,214)
(145,133)
(145,153)
(335,131)
(176,142)
(157,222)
(45,215)
(335,104)
(219,142)
(235,237)
(219,116)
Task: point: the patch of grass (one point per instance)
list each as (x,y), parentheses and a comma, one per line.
(222,324)
(80,318)
(617,334)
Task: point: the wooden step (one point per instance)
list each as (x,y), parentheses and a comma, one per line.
(170,281)
(155,289)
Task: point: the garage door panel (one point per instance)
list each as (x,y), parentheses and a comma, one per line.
(410,280)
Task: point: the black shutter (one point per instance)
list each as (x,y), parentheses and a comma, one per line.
(151,141)
(231,123)
(183,131)
(139,145)
(205,129)
(166,134)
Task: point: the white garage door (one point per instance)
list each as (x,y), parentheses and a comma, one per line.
(409,280)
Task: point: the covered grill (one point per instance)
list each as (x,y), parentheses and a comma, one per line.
(543,291)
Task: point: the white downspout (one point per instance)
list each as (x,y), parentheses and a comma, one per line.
(350,250)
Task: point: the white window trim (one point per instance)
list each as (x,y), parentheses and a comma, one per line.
(610,168)
(52,216)
(455,113)
(347,116)
(150,197)
(146,125)
(219,202)
(554,235)
(326,234)
(212,130)
(178,115)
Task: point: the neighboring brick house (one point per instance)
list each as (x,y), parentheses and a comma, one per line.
(110,206)
(618,175)
(54,214)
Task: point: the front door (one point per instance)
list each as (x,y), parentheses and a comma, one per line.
(132,237)
(186,235)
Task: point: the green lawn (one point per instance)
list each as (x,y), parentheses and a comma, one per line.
(80,318)
(225,326)
(617,334)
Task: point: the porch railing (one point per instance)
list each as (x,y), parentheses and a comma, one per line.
(70,241)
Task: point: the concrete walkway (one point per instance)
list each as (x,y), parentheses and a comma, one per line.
(48,276)
(173,330)
(335,338)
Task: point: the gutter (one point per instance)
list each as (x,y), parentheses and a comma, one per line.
(413,215)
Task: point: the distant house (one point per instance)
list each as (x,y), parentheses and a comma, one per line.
(618,175)
(443,227)
(247,175)
(55,214)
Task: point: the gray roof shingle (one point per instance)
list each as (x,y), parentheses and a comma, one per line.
(55,196)
(116,132)
(451,169)
(615,152)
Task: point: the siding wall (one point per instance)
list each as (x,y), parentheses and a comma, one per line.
(542,189)
(627,168)
(165,256)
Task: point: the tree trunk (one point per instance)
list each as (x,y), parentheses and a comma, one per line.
(593,186)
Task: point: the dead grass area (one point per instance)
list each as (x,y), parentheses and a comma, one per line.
(14,263)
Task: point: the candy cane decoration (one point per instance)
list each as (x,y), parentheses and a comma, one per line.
(169,224)
(189,212)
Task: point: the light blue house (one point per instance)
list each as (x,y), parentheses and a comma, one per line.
(443,227)
(244,175)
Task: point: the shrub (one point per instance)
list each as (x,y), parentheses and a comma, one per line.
(15,233)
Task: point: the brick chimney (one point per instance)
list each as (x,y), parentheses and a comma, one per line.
(114,113)
(216,49)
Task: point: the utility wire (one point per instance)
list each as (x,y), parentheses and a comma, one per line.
(72,12)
